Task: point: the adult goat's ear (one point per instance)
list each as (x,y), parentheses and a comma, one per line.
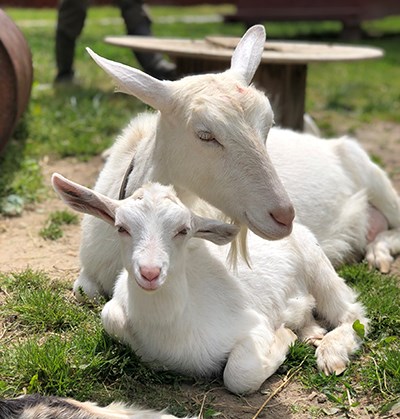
(213,230)
(247,55)
(84,199)
(132,81)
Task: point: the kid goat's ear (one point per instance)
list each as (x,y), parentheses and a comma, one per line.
(215,231)
(84,199)
(247,55)
(132,81)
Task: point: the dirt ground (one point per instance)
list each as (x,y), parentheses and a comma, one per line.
(22,247)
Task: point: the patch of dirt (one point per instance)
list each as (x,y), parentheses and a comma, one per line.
(20,242)
(21,247)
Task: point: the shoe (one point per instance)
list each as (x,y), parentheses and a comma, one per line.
(64,78)
(163,70)
(155,65)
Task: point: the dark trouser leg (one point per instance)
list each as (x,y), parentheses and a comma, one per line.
(71,19)
(137,22)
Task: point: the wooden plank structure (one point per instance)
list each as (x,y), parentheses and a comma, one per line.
(16,75)
(282,73)
(350,12)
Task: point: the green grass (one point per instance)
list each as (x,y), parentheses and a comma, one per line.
(53,228)
(375,372)
(53,345)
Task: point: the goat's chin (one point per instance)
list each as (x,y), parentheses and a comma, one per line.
(274,231)
(150,286)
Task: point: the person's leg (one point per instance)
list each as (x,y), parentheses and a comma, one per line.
(71,19)
(137,22)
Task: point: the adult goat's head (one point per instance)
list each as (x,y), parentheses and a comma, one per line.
(211,136)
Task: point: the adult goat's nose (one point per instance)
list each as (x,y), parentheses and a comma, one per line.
(284,216)
(150,273)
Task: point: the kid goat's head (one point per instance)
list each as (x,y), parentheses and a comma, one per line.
(153,226)
(211,135)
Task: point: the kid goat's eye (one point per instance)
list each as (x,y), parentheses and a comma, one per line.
(182,232)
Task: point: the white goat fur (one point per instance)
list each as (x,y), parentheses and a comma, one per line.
(35,406)
(193,315)
(208,140)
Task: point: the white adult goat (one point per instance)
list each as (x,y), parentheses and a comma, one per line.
(208,140)
(202,316)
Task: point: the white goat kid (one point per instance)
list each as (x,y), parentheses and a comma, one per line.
(202,316)
(208,140)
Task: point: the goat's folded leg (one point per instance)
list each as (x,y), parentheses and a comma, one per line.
(100,259)
(337,306)
(114,320)
(85,289)
(334,351)
(256,357)
(312,333)
(381,250)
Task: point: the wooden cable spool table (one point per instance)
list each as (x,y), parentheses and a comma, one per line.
(282,73)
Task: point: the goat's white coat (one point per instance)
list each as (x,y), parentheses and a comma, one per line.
(203,318)
(331,183)
(49,407)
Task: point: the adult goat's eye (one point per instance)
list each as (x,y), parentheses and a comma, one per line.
(122,230)
(207,137)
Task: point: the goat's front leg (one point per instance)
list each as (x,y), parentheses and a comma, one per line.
(336,304)
(335,349)
(256,357)
(115,320)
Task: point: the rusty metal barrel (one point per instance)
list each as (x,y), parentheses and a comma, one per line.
(16,76)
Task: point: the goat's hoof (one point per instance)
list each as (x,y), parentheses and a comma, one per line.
(385,266)
(332,357)
(379,257)
(314,340)
(340,370)
(336,367)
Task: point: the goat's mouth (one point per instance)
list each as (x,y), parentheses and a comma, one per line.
(273,231)
(147,285)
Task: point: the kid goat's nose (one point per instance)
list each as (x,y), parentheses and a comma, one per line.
(150,273)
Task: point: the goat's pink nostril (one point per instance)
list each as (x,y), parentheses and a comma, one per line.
(150,273)
(284,216)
